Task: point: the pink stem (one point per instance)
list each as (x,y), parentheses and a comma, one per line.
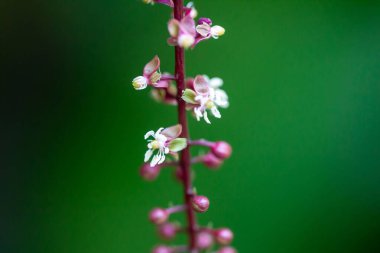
(176,209)
(197,159)
(201,142)
(185,154)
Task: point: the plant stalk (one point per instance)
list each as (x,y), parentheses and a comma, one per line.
(185,159)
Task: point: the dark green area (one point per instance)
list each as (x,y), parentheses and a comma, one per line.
(304,83)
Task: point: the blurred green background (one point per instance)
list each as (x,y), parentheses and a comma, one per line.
(304,83)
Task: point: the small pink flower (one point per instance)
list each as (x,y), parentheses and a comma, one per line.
(166,2)
(182,32)
(151,75)
(205,30)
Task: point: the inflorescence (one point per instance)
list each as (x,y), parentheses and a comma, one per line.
(165,147)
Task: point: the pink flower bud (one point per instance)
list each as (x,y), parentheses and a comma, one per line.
(227,250)
(223,236)
(158,216)
(200,204)
(162,249)
(205,20)
(149,173)
(221,149)
(204,240)
(167,231)
(211,161)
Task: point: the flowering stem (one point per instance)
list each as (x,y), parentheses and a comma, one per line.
(185,159)
(201,142)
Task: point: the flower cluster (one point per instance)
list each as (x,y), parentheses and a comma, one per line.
(201,96)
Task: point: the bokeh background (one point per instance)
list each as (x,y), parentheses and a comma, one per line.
(304,83)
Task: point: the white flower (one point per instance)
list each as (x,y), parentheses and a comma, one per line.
(163,141)
(207,96)
(157,143)
(140,83)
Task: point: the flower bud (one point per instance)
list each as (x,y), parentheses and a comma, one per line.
(149,173)
(158,216)
(205,20)
(200,204)
(167,231)
(162,249)
(185,40)
(139,83)
(227,250)
(221,149)
(204,240)
(223,236)
(211,161)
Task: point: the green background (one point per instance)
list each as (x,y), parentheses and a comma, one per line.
(303,79)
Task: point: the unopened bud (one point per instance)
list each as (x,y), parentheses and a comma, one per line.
(211,161)
(221,149)
(167,231)
(223,236)
(204,240)
(149,173)
(200,204)
(158,216)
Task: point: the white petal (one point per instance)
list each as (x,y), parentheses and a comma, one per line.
(216,82)
(206,117)
(221,98)
(149,133)
(215,112)
(166,150)
(155,160)
(148,154)
(149,145)
(162,159)
(158,132)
